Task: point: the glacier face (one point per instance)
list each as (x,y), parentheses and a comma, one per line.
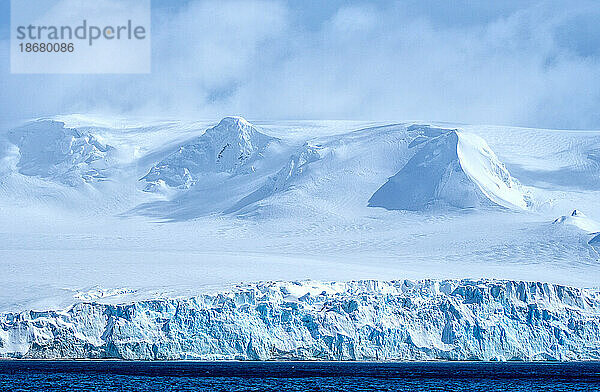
(358,320)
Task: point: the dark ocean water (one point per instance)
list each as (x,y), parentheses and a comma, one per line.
(296,376)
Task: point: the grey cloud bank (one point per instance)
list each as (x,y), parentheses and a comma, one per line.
(534,64)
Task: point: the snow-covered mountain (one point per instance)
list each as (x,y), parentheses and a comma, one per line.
(232,146)
(138,212)
(455,169)
(50,150)
(362,320)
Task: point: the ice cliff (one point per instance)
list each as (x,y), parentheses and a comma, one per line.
(361,320)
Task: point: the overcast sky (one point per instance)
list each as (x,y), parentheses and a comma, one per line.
(529,63)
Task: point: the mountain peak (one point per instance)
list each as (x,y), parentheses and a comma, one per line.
(236,131)
(235,121)
(227,147)
(455,169)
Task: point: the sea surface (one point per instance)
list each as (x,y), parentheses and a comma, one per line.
(21,375)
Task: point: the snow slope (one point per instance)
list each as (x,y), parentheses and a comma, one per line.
(361,320)
(283,179)
(352,164)
(234,201)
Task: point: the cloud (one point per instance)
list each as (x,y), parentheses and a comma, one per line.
(533,65)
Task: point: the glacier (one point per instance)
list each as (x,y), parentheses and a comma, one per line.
(128,238)
(306,320)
